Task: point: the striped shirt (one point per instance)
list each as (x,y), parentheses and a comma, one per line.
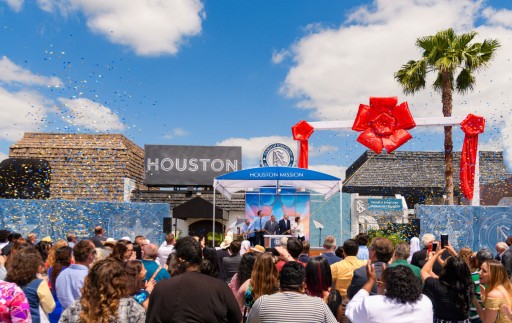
(290,307)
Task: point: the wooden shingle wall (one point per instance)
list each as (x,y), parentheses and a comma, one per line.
(84,166)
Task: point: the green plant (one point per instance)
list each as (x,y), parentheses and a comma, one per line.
(392,231)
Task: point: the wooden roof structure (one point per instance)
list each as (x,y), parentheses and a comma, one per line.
(177,198)
(85,166)
(406,172)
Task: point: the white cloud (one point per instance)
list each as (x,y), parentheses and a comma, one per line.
(151,27)
(3,156)
(501,17)
(336,69)
(279,56)
(178,132)
(15,4)
(20,112)
(91,115)
(11,73)
(252,148)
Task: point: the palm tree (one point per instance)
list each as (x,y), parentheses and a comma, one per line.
(446,54)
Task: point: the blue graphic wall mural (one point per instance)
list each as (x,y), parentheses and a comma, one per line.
(55,218)
(328,213)
(467,226)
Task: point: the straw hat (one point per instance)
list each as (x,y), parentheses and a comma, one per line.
(47,239)
(227,242)
(109,242)
(258,248)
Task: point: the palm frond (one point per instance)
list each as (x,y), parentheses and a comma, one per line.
(465,81)
(411,76)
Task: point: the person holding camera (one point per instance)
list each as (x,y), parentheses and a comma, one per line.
(452,293)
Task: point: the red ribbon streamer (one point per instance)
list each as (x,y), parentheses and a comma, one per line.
(472,126)
(302,131)
(384,124)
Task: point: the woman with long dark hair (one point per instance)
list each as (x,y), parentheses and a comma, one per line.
(399,298)
(319,283)
(24,267)
(243,274)
(62,261)
(451,293)
(105,297)
(497,295)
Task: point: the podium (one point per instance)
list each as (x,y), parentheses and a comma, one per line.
(272,240)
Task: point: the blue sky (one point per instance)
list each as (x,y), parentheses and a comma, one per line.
(233,72)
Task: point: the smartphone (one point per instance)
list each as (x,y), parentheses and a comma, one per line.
(444,240)
(434,246)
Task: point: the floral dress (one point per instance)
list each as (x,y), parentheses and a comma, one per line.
(14,306)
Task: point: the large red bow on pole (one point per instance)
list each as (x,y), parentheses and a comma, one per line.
(301,132)
(383,124)
(472,126)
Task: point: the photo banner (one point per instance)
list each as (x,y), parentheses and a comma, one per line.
(288,201)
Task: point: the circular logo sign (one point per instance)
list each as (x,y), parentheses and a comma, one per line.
(277,155)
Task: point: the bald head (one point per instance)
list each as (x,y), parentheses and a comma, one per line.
(150,251)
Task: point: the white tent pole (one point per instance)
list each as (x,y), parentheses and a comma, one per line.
(341,209)
(213,223)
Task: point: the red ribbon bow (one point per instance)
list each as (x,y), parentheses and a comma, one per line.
(302,131)
(383,124)
(472,126)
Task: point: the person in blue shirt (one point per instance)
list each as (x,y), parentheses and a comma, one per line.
(329,247)
(362,241)
(258,226)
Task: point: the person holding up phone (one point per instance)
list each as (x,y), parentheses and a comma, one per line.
(451,293)
(399,298)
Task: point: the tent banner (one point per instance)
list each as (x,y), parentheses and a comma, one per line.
(287,202)
(467,226)
(167,165)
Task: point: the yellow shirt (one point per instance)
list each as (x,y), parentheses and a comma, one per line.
(495,304)
(342,271)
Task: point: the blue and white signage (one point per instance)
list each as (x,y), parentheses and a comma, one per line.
(277,155)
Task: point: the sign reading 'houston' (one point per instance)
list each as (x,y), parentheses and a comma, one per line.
(168,165)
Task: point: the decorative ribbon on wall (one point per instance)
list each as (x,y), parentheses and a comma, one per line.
(383,124)
(472,126)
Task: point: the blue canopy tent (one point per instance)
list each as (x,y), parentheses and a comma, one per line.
(251,180)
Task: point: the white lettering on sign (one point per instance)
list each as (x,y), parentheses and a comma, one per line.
(192,165)
(276,174)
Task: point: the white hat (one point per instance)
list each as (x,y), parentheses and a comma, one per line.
(227,242)
(126,238)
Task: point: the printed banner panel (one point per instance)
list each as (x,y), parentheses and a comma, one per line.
(467,226)
(288,201)
(55,218)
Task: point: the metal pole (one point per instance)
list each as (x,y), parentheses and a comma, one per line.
(213,224)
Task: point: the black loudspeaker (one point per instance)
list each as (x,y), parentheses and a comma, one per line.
(24,178)
(167,225)
(416,228)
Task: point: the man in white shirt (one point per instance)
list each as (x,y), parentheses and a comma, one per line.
(166,248)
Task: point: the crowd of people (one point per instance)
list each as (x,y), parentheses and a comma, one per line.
(101,279)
